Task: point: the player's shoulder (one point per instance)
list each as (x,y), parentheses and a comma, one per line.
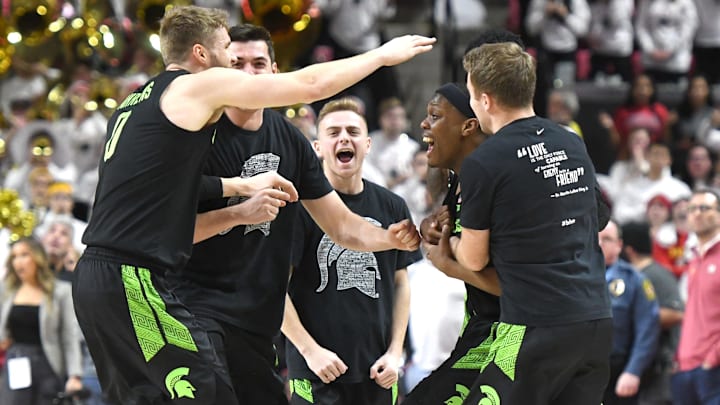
(382,193)
(274,119)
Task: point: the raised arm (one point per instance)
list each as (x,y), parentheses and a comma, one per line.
(353,232)
(192,100)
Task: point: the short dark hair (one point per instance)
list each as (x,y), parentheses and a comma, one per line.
(249,32)
(494,36)
(637,236)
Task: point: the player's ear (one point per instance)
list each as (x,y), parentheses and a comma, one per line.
(470,126)
(199,53)
(274,67)
(316,146)
(369,143)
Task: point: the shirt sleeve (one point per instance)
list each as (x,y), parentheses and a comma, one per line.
(646,319)
(477,190)
(312,181)
(210,188)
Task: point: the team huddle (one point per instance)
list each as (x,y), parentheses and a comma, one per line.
(208,203)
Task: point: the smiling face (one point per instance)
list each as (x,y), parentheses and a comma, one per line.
(442,131)
(252,57)
(342,143)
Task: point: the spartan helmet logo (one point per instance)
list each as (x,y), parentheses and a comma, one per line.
(256,164)
(491,396)
(177,385)
(354,269)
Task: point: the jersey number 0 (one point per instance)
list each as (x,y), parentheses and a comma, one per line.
(117,130)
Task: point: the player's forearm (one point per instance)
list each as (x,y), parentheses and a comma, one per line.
(670,317)
(401,313)
(485,280)
(294,330)
(327,79)
(471,258)
(211,223)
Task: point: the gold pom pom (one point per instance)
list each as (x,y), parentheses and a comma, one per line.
(14,217)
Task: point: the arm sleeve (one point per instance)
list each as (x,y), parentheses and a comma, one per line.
(210,188)
(646,320)
(312,181)
(477,192)
(70,334)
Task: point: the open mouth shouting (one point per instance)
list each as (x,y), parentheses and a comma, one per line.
(345,155)
(430,141)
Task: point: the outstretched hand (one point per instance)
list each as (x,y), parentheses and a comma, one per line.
(404,235)
(404,48)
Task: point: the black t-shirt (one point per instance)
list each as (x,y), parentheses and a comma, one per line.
(240,275)
(532,185)
(478,303)
(146,197)
(344,298)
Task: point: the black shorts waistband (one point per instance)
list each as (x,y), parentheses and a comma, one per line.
(95,252)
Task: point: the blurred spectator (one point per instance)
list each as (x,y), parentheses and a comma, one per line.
(36,145)
(636,325)
(640,110)
(672,242)
(39,181)
(60,204)
(698,355)
(392,148)
(707,40)
(665,30)
(693,121)
(630,196)
(414,190)
(563,107)
(354,27)
(38,329)
(27,83)
(303,117)
(699,168)
(560,24)
(655,382)
(611,40)
(659,213)
(57,241)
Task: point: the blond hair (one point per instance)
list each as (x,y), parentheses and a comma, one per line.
(504,71)
(341,104)
(184,26)
(44,275)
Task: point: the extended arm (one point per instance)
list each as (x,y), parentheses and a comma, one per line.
(192,100)
(353,232)
(385,371)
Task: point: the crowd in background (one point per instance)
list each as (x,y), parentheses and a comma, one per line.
(54,117)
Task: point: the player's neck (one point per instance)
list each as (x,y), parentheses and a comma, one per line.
(192,68)
(250,120)
(505,116)
(351,185)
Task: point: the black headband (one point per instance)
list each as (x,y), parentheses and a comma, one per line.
(457,97)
